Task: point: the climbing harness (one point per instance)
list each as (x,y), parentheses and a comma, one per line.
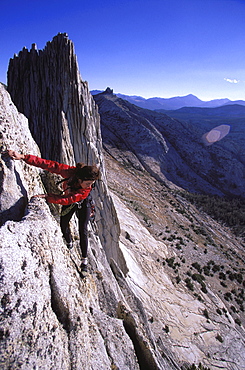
(68,209)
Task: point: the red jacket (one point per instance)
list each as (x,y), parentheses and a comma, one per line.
(70,196)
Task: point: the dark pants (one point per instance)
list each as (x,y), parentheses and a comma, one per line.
(83,214)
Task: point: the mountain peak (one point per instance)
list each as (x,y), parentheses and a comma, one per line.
(108,90)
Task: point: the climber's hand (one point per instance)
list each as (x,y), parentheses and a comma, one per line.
(15,155)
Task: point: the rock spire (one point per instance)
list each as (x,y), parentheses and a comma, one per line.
(46,86)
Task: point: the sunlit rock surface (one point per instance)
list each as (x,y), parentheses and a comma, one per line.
(50,317)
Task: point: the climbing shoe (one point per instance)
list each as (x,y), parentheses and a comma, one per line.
(83,270)
(84,267)
(69,245)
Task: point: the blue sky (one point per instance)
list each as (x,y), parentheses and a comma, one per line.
(149,48)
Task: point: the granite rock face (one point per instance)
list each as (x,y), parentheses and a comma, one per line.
(46,86)
(15,133)
(83,343)
(50,317)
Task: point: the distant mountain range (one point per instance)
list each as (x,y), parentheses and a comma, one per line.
(171,149)
(173,103)
(225,114)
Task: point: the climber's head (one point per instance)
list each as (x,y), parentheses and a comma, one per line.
(87,175)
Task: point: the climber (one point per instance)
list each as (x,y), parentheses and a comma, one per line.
(76,198)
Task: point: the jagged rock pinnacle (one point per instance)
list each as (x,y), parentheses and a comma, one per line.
(108,91)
